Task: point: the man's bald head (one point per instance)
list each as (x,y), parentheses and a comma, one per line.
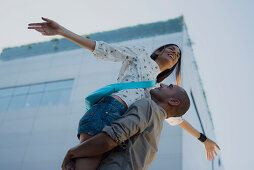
(172,98)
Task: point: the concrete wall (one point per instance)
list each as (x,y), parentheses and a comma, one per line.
(194,154)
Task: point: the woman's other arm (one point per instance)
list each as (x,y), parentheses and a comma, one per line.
(190,129)
(50,28)
(208,143)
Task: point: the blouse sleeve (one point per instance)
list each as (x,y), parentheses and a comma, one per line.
(173,121)
(108,52)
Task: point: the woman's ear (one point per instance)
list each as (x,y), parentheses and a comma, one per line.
(173,101)
(157,52)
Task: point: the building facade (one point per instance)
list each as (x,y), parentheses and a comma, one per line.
(42,91)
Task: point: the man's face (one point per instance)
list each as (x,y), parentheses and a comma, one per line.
(164,92)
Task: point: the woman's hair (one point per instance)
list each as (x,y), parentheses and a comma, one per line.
(167,72)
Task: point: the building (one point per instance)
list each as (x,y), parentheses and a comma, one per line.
(42,92)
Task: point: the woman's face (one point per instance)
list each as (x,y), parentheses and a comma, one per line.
(169,56)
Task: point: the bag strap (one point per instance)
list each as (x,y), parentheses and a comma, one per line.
(134,85)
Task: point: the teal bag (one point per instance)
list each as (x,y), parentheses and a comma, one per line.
(97,95)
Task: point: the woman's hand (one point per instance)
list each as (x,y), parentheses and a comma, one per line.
(210,148)
(47,28)
(68,163)
(70,166)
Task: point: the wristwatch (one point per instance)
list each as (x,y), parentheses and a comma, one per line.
(202,137)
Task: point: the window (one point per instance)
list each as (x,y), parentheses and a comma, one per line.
(42,94)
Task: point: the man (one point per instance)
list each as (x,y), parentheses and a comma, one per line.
(136,133)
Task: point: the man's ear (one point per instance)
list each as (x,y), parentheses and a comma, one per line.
(173,101)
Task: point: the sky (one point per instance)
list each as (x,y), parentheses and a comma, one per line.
(223,41)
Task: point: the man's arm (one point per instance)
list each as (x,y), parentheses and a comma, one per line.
(95,145)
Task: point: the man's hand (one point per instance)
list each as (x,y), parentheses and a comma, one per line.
(210,148)
(68,163)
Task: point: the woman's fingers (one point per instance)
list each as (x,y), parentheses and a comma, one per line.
(38,29)
(208,156)
(33,27)
(41,30)
(212,155)
(215,152)
(217,146)
(46,19)
(38,24)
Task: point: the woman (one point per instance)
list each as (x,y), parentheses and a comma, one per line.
(137,66)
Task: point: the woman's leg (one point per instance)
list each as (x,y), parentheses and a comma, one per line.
(90,163)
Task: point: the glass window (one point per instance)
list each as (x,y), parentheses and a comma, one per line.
(64,97)
(58,85)
(42,94)
(33,100)
(6,92)
(50,98)
(20,90)
(4,102)
(17,102)
(37,88)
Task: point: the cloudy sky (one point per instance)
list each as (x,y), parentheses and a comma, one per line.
(222,32)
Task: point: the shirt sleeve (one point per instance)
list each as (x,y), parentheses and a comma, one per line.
(173,121)
(134,121)
(108,52)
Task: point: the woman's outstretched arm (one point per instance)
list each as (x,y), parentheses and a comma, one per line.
(50,28)
(190,129)
(208,143)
